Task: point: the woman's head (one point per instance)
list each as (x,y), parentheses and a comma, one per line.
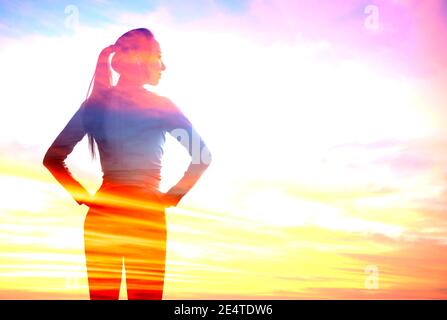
(138,56)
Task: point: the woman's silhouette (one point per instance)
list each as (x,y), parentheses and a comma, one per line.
(126,219)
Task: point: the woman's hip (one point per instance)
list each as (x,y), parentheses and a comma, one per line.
(128,198)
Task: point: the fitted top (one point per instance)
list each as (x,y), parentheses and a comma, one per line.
(134,131)
(131,124)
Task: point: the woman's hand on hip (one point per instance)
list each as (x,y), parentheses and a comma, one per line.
(169,200)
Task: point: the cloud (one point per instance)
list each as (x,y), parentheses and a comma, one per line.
(419,160)
(40,295)
(360,294)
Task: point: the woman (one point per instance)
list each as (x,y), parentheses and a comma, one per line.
(126,223)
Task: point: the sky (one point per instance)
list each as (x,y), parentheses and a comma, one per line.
(326,124)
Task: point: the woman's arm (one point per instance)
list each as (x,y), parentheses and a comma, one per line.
(200,160)
(182,129)
(54,159)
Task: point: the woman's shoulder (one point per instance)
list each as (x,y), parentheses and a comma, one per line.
(160,99)
(150,101)
(162,103)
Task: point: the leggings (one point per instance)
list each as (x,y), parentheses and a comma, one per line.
(125,225)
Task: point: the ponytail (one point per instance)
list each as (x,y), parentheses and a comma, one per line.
(102,78)
(95,100)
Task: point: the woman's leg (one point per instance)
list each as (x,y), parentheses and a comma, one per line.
(104,261)
(145,258)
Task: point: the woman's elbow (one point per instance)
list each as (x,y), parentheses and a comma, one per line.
(48,160)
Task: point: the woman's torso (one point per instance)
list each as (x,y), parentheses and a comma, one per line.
(133,136)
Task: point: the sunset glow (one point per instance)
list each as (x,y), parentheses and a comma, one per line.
(327,132)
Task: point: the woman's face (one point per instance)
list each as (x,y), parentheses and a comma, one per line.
(152,66)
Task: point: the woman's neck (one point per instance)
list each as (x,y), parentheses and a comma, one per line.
(129,83)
